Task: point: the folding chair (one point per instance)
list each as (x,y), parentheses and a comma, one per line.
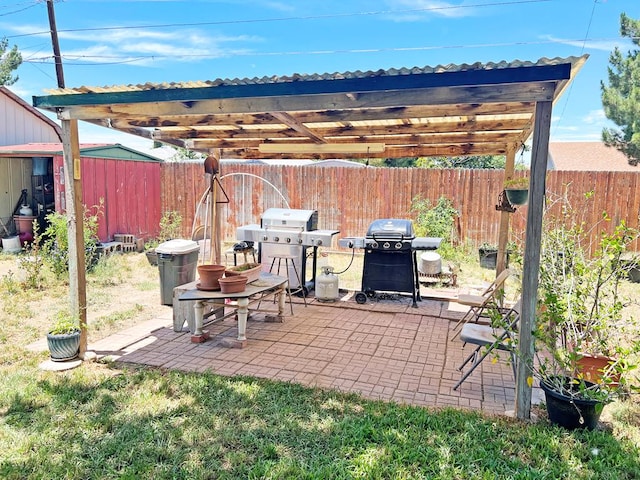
(481,305)
(488,338)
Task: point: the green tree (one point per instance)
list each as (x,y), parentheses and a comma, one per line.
(471,161)
(621,98)
(9,61)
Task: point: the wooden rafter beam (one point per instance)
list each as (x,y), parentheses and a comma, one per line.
(390,152)
(320,116)
(515,92)
(291,122)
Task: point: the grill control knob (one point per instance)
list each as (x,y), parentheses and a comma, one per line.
(288,240)
(319,242)
(300,240)
(374,245)
(398,245)
(276,239)
(265,238)
(386,245)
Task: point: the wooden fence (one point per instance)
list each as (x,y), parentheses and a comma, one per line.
(348,198)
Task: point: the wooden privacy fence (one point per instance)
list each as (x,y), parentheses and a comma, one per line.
(349,198)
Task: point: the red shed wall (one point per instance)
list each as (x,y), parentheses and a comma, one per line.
(131,193)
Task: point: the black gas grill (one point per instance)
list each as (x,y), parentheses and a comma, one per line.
(390,260)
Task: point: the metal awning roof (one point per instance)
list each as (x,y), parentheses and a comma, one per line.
(447,110)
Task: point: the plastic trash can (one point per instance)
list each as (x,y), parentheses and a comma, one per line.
(177,262)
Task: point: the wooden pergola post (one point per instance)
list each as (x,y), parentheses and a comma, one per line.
(525,355)
(503,235)
(75,227)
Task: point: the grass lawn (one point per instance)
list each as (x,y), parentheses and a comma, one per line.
(104,421)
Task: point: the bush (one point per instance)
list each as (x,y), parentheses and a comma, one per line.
(434,221)
(56,245)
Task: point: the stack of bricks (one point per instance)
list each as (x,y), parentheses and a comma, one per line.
(127,241)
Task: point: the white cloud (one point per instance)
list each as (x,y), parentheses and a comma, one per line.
(604,45)
(424,9)
(595,116)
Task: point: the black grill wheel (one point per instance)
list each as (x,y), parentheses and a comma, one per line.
(361,298)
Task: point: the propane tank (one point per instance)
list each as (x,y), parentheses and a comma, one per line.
(327,285)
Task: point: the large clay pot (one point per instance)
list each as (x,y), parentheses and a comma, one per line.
(594,367)
(210,274)
(235,284)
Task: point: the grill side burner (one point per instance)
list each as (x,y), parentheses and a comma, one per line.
(288,232)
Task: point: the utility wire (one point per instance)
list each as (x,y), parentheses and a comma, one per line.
(584,42)
(284,19)
(45,59)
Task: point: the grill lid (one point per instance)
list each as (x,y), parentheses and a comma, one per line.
(290,218)
(395,228)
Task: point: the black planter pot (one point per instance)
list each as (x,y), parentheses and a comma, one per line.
(152,257)
(488,258)
(571,413)
(517,196)
(63,347)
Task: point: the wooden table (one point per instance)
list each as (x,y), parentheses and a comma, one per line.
(267,284)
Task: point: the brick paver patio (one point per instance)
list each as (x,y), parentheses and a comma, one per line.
(384,349)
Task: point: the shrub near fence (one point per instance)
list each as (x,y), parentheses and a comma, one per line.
(348,199)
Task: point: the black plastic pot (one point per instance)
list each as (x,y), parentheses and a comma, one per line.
(488,258)
(517,196)
(64,346)
(571,413)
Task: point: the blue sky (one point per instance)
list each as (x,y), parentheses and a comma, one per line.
(137,41)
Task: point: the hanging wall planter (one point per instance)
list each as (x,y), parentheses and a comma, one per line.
(517,196)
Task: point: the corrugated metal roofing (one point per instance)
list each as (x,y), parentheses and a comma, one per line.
(446,110)
(301,77)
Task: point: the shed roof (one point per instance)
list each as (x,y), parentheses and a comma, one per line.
(113,151)
(588,156)
(482,108)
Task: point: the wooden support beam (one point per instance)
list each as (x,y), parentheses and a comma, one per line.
(539,154)
(75,227)
(291,122)
(503,233)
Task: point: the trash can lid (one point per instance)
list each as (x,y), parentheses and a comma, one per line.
(178,246)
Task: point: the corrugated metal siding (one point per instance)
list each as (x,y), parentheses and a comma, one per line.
(18,125)
(130,190)
(349,199)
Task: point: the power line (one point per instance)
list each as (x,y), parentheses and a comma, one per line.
(584,42)
(285,19)
(313,52)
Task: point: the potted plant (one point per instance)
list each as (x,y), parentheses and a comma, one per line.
(63,338)
(517,190)
(581,316)
(488,254)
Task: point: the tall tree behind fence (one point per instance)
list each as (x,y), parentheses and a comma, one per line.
(348,198)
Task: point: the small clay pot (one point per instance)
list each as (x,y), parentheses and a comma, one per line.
(210,274)
(234,284)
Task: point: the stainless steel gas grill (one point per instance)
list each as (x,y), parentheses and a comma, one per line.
(390,261)
(288,232)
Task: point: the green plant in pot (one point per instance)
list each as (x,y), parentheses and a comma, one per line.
(63,338)
(517,190)
(581,315)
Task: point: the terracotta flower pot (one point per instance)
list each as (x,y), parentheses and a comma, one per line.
(249,270)
(234,284)
(594,367)
(209,275)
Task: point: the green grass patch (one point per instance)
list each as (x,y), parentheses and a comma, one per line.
(99,423)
